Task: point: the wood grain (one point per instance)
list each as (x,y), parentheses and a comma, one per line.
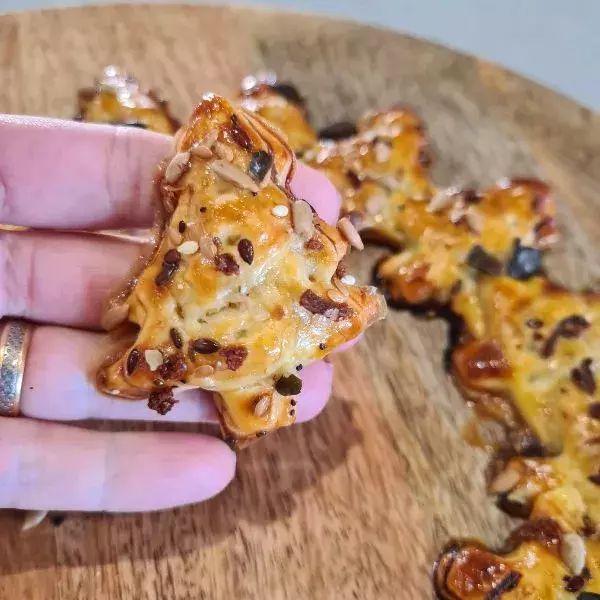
(357,503)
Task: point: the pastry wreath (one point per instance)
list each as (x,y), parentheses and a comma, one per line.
(246,284)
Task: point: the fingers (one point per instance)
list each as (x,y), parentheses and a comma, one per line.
(59,384)
(66,175)
(47,466)
(315,188)
(61,278)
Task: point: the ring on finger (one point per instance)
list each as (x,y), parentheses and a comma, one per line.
(15,336)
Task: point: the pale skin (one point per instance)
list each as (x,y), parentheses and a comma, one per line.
(72,176)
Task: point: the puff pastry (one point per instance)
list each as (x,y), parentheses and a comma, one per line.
(527,353)
(446,237)
(118,99)
(245,286)
(281,104)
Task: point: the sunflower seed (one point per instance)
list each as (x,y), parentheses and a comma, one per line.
(177,167)
(339,284)
(154,358)
(223,151)
(442,199)
(350,233)
(335,296)
(262,406)
(475,220)
(33,518)
(375,204)
(383,151)
(234,175)
(505,481)
(303,219)
(573,552)
(204,370)
(208,249)
(201,151)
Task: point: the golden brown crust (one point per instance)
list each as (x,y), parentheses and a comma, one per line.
(281,105)
(446,236)
(527,353)
(236,295)
(118,99)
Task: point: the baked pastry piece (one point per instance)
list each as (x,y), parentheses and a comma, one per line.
(245,286)
(534,372)
(118,99)
(446,237)
(542,561)
(282,105)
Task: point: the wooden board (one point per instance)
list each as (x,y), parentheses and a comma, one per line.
(357,503)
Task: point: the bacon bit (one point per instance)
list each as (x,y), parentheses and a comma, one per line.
(583,377)
(174,367)
(226,264)
(132,361)
(570,328)
(162,401)
(234,356)
(314,244)
(239,135)
(319,306)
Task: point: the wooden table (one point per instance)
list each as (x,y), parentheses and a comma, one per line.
(357,503)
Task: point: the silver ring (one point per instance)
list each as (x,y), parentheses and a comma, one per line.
(14,343)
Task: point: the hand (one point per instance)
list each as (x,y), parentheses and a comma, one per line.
(71,176)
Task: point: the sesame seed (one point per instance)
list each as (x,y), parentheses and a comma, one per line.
(348,279)
(188,247)
(281,210)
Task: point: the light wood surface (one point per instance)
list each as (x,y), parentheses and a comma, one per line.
(357,503)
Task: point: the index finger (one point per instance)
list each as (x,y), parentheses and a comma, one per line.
(66,175)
